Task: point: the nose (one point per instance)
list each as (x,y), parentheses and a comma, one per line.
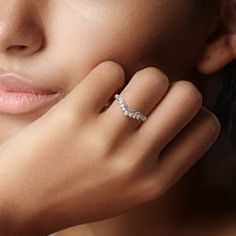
(20,32)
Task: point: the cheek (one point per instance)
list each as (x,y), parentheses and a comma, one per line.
(135,37)
(78,43)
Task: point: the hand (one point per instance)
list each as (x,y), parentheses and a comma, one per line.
(79,163)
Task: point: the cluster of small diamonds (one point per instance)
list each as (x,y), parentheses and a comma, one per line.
(127,110)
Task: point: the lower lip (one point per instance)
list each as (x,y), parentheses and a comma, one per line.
(23,102)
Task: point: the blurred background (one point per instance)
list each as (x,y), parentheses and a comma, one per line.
(216,172)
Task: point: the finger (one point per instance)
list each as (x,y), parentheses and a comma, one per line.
(181,103)
(91,94)
(143,92)
(187,148)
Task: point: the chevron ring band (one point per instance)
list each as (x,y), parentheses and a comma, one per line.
(127,110)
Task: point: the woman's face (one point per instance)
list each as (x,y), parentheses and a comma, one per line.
(56,43)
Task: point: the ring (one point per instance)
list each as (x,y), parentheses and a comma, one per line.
(127,110)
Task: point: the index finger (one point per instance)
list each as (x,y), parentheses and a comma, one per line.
(91,94)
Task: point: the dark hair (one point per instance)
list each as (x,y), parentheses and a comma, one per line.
(225,105)
(216,172)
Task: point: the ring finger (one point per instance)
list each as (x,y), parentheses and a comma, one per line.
(143,92)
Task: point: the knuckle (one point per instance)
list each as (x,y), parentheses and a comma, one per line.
(154,75)
(188,92)
(109,68)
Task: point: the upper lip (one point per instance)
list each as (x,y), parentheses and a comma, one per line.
(13,82)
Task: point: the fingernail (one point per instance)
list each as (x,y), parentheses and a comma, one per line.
(216,119)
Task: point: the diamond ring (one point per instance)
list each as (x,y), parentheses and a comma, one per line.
(127,110)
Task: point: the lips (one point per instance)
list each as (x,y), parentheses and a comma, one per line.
(19,95)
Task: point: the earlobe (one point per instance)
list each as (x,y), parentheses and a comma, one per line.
(217,54)
(220,50)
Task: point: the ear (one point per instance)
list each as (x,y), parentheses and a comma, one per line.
(220,48)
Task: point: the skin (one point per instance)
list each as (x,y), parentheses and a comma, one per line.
(65,41)
(71,23)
